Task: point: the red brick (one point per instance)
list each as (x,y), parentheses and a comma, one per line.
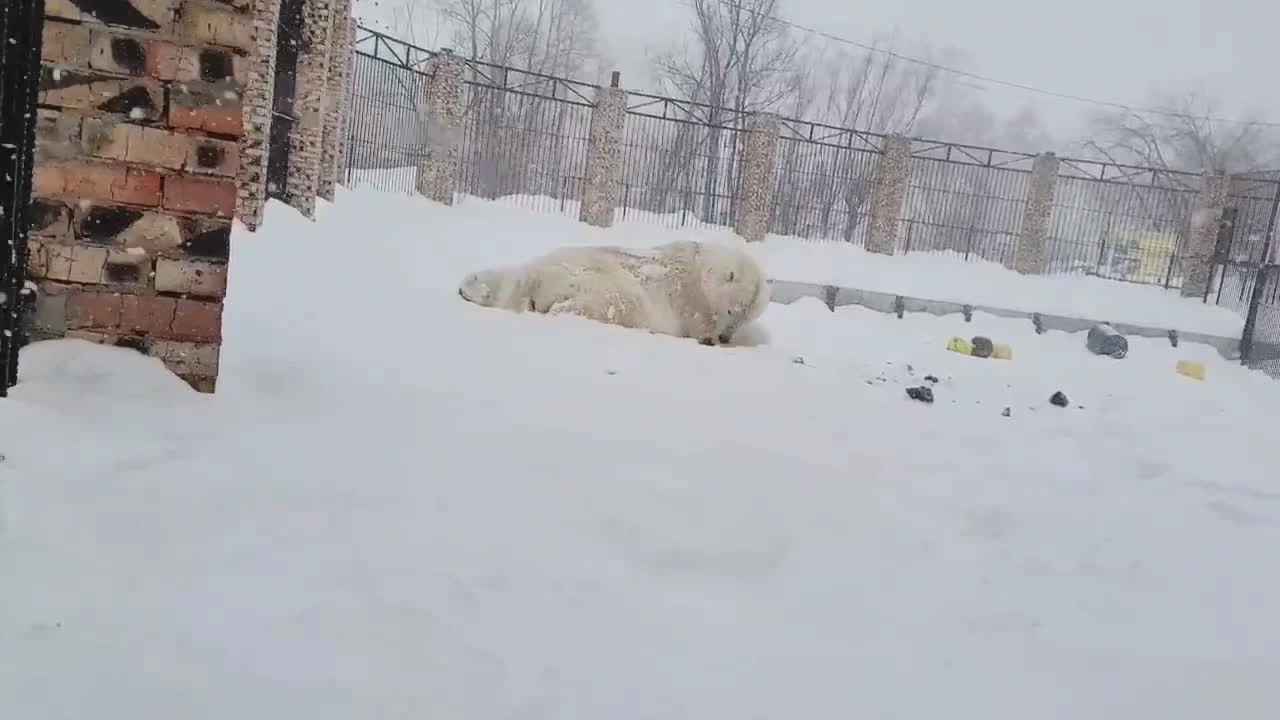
(187,358)
(140,188)
(157,12)
(225,119)
(213,107)
(215,24)
(208,196)
(87,309)
(107,138)
(65,43)
(163,61)
(76,263)
(197,321)
(139,98)
(48,180)
(147,314)
(97,181)
(191,277)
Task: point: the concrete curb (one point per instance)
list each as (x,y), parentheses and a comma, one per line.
(833,296)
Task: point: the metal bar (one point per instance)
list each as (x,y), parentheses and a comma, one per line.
(1259,286)
(287,48)
(21,29)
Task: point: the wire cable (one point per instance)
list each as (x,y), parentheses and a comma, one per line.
(991,80)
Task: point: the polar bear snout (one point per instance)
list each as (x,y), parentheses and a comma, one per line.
(477,288)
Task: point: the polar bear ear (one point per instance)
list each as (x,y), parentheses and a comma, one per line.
(731,276)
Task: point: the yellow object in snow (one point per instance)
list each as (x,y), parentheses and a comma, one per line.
(965,347)
(1191,369)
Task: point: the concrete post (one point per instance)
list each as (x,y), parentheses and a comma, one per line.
(754,205)
(1033,233)
(310,100)
(888,193)
(343,149)
(340,51)
(604,156)
(259,90)
(1197,255)
(438,167)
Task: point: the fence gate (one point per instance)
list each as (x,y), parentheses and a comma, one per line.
(21,25)
(1260,345)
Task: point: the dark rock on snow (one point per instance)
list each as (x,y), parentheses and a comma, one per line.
(921,393)
(982,346)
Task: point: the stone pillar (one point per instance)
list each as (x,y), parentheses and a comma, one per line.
(310,100)
(258,93)
(344,136)
(888,193)
(754,204)
(134,189)
(604,156)
(1197,254)
(340,57)
(437,174)
(1033,233)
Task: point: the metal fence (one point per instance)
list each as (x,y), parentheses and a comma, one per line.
(20,39)
(679,162)
(524,142)
(1260,344)
(824,179)
(966,200)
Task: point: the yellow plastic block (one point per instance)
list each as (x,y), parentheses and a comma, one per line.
(960,345)
(1001,352)
(1191,369)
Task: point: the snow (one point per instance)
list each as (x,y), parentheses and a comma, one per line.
(400,505)
(947,276)
(944,276)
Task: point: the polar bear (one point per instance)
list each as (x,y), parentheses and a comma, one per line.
(686,288)
(574,281)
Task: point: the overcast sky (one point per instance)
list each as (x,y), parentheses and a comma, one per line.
(1117,50)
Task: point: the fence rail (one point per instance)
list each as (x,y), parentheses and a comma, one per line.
(525,139)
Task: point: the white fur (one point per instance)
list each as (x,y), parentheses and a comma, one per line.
(687,289)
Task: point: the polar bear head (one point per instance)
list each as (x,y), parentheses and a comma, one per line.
(483,287)
(735,286)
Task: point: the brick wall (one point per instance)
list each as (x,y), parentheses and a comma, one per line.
(146,108)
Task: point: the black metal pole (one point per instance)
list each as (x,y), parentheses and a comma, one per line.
(21,32)
(1259,281)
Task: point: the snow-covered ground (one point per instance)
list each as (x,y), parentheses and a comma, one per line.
(399,505)
(943,276)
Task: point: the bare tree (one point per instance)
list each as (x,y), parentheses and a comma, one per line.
(518,136)
(875,90)
(1180,138)
(957,114)
(738,60)
(871,90)
(1184,136)
(739,56)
